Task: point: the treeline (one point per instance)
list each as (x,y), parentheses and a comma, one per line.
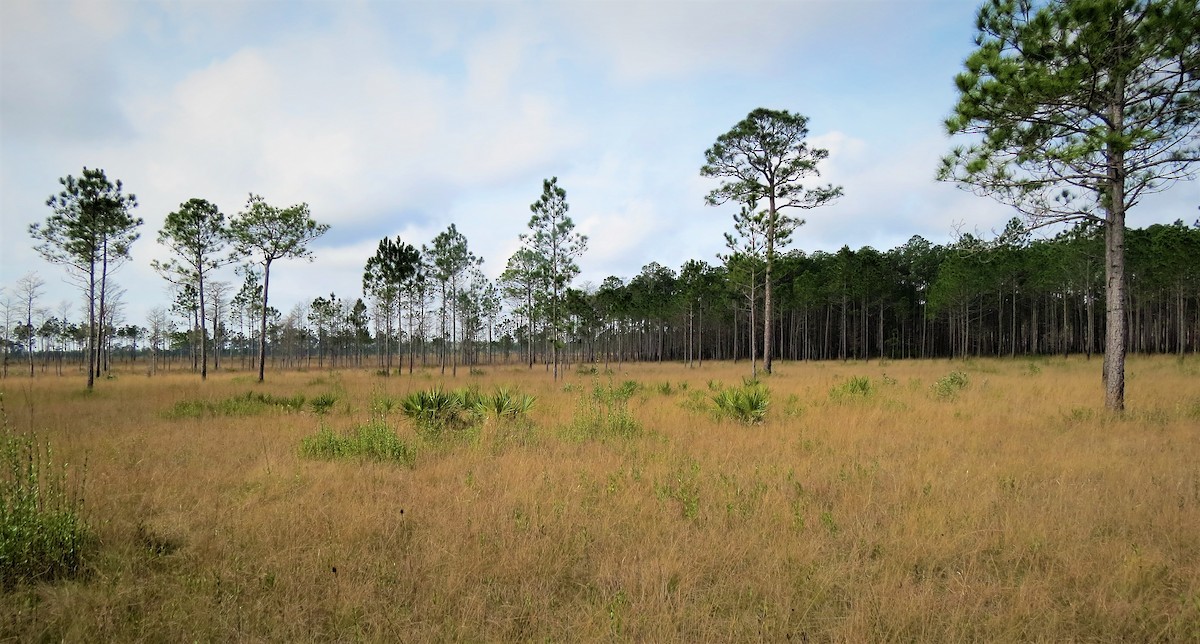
(920,300)
(1021,296)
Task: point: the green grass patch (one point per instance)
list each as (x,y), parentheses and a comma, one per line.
(250,403)
(373,440)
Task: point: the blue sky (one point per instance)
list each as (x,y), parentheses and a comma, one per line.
(398,118)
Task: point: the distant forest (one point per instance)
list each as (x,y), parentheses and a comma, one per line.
(1022,297)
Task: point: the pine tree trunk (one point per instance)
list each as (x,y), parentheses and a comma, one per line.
(262,328)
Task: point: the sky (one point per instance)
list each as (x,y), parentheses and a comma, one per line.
(399,118)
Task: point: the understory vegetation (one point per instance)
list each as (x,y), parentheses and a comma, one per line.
(43,535)
(850,501)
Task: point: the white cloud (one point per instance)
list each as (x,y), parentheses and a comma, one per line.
(654,40)
(890,195)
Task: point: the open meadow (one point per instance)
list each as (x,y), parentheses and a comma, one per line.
(908,500)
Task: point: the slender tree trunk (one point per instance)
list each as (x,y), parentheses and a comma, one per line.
(203,329)
(767,292)
(101,312)
(262,329)
(753,340)
(91,349)
(453,333)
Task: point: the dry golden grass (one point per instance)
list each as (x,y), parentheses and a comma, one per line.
(1017,510)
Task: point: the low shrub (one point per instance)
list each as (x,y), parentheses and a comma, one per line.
(855,388)
(323,403)
(506,403)
(438,413)
(747,404)
(948,386)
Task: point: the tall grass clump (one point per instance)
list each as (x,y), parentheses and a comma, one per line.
(605,413)
(42,532)
(746,404)
(373,440)
(948,386)
(855,388)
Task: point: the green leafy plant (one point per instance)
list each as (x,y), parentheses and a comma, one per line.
(747,404)
(506,403)
(437,412)
(854,388)
(683,486)
(43,535)
(605,413)
(323,403)
(948,386)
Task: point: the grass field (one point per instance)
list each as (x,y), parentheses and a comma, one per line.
(878,501)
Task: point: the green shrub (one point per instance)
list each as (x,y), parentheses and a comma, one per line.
(42,532)
(746,404)
(855,388)
(323,403)
(948,386)
(627,389)
(505,403)
(370,441)
(438,413)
